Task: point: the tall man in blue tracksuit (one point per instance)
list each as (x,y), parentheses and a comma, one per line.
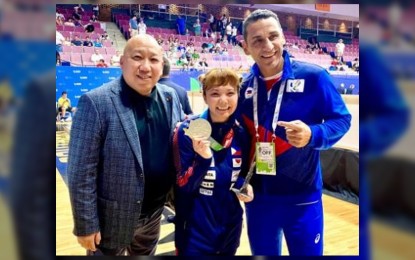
(292,111)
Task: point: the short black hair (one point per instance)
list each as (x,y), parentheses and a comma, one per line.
(258,15)
(166,67)
(64,92)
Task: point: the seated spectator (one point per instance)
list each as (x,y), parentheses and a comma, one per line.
(98,43)
(102,64)
(76,41)
(96,57)
(115,59)
(58,59)
(142,27)
(335,62)
(88,42)
(105,36)
(59,15)
(60,20)
(295,46)
(64,104)
(224,51)
(60,40)
(89,28)
(160,40)
(77,23)
(170,40)
(93,18)
(176,42)
(192,65)
(182,61)
(181,48)
(69,22)
(355,64)
(203,64)
(195,55)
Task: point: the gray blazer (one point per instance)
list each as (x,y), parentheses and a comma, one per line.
(105,168)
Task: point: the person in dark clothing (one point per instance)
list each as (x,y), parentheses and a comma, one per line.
(181,92)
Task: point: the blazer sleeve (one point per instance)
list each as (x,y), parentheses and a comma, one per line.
(191,168)
(83,161)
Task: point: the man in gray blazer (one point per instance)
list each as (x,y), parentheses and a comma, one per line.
(120,164)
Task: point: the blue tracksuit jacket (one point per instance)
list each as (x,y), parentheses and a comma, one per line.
(208,214)
(298,177)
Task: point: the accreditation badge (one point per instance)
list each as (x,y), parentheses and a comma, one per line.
(265,158)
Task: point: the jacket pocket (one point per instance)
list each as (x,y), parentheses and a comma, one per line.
(107,213)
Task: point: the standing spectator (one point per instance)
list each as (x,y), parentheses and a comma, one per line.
(133,26)
(88,42)
(208,214)
(340,49)
(229,32)
(95,10)
(96,57)
(224,21)
(162,10)
(181,25)
(234,34)
(197,27)
(181,92)
(288,185)
(117,132)
(115,59)
(142,27)
(101,64)
(212,22)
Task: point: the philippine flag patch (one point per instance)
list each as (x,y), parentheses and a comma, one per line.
(295,85)
(236,162)
(249,92)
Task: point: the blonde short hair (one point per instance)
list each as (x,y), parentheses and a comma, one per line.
(220,77)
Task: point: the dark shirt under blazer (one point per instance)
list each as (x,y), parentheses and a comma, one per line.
(105,176)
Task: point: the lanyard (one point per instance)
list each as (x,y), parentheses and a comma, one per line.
(276,111)
(216,146)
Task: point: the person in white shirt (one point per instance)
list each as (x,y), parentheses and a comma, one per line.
(115,59)
(229,32)
(234,33)
(142,27)
(340,49)
(95,57)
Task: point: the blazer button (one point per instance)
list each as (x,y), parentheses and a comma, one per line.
(138,201)
(141,175)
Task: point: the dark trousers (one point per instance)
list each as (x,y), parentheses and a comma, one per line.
(144,242)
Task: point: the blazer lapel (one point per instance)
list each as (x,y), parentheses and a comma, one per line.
(124,110)
(167,103)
